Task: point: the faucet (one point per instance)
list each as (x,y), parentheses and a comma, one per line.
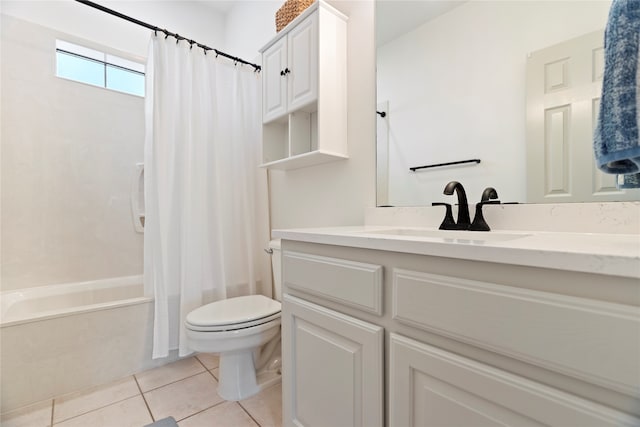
(488,196)
(463,222)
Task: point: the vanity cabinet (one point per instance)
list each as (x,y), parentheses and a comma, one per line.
(332,362)
(333,365)
(433,387)
(304,96)
(466,343)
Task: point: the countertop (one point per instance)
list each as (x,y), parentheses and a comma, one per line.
(608,254)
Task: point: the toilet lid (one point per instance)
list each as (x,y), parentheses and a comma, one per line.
(236,311)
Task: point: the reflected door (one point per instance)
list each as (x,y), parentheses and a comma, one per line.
(564,84)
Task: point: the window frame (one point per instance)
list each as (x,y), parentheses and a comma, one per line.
(106,60)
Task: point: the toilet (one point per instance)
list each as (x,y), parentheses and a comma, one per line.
(245,332)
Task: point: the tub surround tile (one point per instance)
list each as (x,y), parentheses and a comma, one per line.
(227,414)
(184,398)
(131,412)
(172,372)
(75,404)
(210,361)
(36,415)
(266,406)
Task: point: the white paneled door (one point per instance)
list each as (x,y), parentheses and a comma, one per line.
(564,84)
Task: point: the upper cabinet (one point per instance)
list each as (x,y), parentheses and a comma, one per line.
(304,91)
(291,71)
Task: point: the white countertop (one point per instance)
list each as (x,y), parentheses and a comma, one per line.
(610,254)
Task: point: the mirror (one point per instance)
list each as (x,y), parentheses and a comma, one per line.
(452,86)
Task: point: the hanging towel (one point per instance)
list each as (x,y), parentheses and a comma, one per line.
(616,140)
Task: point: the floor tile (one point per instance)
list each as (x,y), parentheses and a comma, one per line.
(131,412)
(210,361)
(75,404)
(183,398)
(228,414)
(158,377)
(216,373)
(37,415)
(266,406)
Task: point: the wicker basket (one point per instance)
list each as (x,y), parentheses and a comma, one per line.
(289,10)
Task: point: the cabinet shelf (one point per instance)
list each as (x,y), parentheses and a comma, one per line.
(304,109)
(303,160)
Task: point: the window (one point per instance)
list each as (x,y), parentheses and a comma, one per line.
(97,68)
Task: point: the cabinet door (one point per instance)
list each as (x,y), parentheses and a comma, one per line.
(332,367)
(274,88)
(432,387)
(302,61)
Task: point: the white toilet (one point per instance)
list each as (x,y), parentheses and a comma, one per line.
(245,331)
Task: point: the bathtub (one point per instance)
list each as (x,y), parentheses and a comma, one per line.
(45,302)
(62,338)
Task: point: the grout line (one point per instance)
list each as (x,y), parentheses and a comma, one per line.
(84,392)
(198,359)
(53,404)
(201,411)
(93,410)
(144,399)
(214,377)
(248,413)
(172,382)
(205,366)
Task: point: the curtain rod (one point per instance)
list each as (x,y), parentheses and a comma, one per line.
(167,33)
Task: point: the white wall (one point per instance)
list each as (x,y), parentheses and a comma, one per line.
(330,194)
(187,18)
(456,88)
(69,150)
(337,193)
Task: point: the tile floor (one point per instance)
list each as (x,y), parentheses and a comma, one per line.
(185,390)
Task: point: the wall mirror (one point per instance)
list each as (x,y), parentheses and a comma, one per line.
(454,83)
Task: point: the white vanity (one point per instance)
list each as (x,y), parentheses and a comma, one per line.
(404,326)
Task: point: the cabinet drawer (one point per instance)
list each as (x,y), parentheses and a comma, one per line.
(351,283)
(432,387)
(595,341)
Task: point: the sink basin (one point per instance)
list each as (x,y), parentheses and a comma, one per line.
(477,237)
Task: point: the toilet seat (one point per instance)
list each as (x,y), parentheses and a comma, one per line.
(233,314)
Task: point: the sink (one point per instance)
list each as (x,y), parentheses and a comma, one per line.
(475,237)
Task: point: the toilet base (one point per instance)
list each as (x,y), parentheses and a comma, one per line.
(238,378)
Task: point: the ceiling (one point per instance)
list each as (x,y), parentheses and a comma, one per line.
(220,6)
(397,17)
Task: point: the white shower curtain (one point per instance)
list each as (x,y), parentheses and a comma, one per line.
(205,197)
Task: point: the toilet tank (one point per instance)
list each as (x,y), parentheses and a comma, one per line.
(276,265)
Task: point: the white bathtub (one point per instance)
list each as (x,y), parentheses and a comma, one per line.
(45,302)
(62,338)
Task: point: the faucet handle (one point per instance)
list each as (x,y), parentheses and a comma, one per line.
(479,223)
(447,223)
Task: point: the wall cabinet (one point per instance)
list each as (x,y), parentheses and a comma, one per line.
(304,94)
(291,71)
(465,343)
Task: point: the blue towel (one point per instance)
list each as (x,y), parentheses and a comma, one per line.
(616,140)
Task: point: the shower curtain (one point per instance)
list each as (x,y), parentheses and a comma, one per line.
(205,197)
